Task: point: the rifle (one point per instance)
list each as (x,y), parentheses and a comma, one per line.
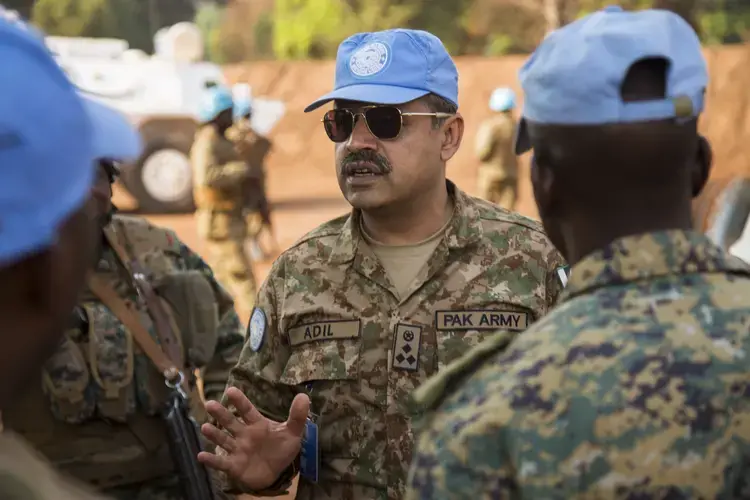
(185,444)
(182,429)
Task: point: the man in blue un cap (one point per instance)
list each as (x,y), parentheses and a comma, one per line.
(367,306)
(220,179)
(635,385)
(51,139)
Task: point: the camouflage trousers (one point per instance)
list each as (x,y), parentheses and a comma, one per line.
(232,268)
(500,190)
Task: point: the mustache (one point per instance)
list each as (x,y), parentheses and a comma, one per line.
(381,163)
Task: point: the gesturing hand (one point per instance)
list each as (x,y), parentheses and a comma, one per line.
(257,449)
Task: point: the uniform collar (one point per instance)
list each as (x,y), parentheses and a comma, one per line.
(464,229)
(647,256)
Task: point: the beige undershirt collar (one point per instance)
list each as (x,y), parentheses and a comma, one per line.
(403,263)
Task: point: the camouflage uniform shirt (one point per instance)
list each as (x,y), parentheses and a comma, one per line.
(94,409)
(336,330)
(635,386)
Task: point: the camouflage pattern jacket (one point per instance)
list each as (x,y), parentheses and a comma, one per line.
(329,323)
(94,411)
(635,386)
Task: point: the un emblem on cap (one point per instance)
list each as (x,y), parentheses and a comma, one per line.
(370,59)
(257,329)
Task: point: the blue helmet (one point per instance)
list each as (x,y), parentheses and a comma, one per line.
(214,101)
(242,107)
(502,99)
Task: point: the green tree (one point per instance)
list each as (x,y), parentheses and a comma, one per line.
(446,19)
(69,17)
(303,28)
(715,21)
(376,15)
(263,33)
(314,28)
(209,19)
(724,21)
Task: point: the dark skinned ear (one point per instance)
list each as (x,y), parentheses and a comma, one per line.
(702,167)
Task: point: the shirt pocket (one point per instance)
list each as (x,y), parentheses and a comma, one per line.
(328,370)
(458,330)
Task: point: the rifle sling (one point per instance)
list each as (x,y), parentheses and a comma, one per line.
(125,313)
(167,337)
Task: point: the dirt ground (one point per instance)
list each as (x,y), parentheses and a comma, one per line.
(301,180)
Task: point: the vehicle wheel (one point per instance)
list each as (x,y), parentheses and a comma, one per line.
(162,179)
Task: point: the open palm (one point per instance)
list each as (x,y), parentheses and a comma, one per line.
(256,450)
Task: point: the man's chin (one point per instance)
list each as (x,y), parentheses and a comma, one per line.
(366,198)
(365,201)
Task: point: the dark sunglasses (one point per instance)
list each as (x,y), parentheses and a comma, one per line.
(384,122)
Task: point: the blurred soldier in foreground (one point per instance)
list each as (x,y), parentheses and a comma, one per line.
(498,172)
(220,177)
(253,149)
(96,409)
(49,142)
(637,384)
(364,308)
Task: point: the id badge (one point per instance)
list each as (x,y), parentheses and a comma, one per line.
(310,454)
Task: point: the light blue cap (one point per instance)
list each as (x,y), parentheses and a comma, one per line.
(50,139)
(574,76)
(392,67)
(502,99)
(214,101)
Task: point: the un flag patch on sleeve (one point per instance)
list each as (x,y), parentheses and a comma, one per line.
(563,273)
(257,329)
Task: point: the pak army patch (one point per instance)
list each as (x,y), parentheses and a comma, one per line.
(256,329)
(563,273)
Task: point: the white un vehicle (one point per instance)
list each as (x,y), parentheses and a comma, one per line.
(160,93)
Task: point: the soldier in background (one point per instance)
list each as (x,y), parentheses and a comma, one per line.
(498,172)
(50,140)
(220,177)
(94,410)
(637,384)
(253,148)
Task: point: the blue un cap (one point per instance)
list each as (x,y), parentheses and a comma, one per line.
(392,67)
(50,140)
(574,76)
